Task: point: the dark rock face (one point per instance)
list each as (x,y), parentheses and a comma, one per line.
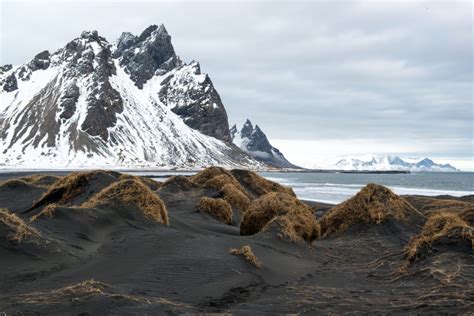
(90,55)
(258,141)
(193,97)
(146,54)
(68,100)
(10,83)
(5,68)
(253,141)
(41,61)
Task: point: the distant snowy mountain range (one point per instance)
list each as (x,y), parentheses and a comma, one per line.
(382,163)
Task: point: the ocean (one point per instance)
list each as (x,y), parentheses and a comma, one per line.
(337,187)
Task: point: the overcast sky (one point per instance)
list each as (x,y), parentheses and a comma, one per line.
(321,79)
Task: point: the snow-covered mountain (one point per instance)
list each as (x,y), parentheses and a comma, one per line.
(380,163)
(132,103)
(253,141)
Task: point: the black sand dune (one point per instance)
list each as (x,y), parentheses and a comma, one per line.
(106,243)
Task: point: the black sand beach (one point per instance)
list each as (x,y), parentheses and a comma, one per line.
(107,243)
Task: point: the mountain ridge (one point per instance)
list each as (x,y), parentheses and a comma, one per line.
(388,162)
(132,103)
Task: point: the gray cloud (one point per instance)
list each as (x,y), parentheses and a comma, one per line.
(390,71)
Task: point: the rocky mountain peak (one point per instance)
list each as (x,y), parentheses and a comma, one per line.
(247,129)
(253,141)
(146,55)
(91,35)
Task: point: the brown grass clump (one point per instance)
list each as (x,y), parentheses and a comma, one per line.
(447,228)
(181,183)
(219,181)
(247,253)
(48,211)
(207,174)
(134,193)
(428,205)
(68,188)
(468,216)
(218,208)
(259,185)
(373,204)
(19,229)
(233,191)
(235,197)
(293,219)
(152,184)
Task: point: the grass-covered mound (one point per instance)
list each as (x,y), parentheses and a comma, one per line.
(47,211)
(14,184)
(207,174)
(247,253)
(217,208)
(468,216)
(40,180)
(237,187)
(235,196)
(427,205)
(373,204)
(293,219)
(150,183)
(258,185)
(77,185)
(440,229)
(178,184)
(17,229)
(132,193)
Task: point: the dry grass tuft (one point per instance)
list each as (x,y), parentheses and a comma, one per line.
(427,205)
(468,216)
(150,183)
(440,228)
(207,174)
(85,291)
(181,183)
(19,229)
(217,208)
(373,204)
(221,180)
(247,253)
(293,219)
(235,197)
(259,185)
(48,211)
(69,187)
(234,193)
(134,193)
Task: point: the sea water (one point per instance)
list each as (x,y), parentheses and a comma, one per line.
(337,187)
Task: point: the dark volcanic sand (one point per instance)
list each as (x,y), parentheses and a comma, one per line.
(141,267)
